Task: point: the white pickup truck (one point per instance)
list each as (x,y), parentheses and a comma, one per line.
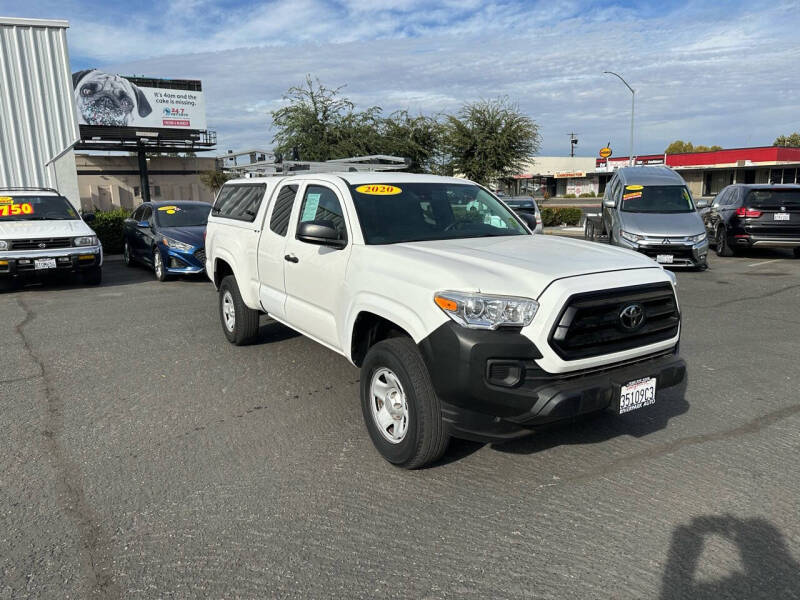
(41,234)
(463,323)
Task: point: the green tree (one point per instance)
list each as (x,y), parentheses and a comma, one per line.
(214,180)
(489,139)
(418,139)
(680,147)
(790,141)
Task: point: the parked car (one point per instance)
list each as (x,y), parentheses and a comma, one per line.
(650,210)
(754,215)
(526,207)
(169,237)
(463,323)
(41,234)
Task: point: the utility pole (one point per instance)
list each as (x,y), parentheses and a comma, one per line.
(573,141)
(633,102)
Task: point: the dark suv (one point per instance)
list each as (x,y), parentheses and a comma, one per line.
(761,215)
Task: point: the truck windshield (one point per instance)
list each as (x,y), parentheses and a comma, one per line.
(656,199)
(36,208)
(414,212)
(773,198)
(182,215)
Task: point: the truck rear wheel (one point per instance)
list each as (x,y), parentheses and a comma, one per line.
(401,410)
(239,322)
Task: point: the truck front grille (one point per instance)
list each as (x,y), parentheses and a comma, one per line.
(41,243)
(591,324)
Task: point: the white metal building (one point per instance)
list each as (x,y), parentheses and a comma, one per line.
(38,119)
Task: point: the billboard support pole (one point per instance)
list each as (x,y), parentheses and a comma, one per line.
(144,177)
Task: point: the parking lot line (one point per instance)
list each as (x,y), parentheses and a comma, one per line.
(765,262)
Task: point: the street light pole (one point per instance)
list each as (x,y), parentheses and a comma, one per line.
(633,103)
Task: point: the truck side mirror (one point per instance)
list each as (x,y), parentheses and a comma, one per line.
(608,202)
(321,233)
(88,217)
(701,204)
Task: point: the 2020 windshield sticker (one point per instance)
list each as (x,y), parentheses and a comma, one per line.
(634,188)
(631,196)
(14,210)
(378,190)
(6,200)
(170,210)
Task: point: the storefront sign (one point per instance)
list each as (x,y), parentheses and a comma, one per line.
(570,174)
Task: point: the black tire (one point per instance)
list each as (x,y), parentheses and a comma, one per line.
(159,268)
(722,247)
(797,252)
(244,328)
(127,257)
(93,276)
(8,284)
(426,438)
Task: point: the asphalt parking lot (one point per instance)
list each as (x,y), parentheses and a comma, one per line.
(145,457)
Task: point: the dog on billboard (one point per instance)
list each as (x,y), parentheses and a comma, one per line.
(108,100)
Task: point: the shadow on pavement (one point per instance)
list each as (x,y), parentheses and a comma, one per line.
(768,569)
(589,429)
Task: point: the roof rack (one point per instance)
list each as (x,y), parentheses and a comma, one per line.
(27,188)
(377,162)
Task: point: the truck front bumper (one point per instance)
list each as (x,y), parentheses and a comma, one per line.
(67,260)
(492,390)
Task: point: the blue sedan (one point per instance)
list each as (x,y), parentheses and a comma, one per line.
(169,237)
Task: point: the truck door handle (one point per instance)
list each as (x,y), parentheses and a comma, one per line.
(291,258)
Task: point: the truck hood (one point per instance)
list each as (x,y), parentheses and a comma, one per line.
(513,265)
(23,230)
(662,224)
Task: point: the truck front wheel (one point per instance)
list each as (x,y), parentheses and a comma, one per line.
(239,322)
(401,410)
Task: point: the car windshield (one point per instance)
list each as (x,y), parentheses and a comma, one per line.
(413,212)
(36,208)
(773,198)
(519,202)
(657,199)
(182,215)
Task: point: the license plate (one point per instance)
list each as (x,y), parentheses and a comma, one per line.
(44,263)
(781,216)
(665,259)
(636,394)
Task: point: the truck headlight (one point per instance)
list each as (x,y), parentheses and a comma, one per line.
(85,240)
(176,245)
(3,245)
(631,237)
(483,311)
(697,238)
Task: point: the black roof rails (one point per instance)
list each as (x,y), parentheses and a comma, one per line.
(27,188)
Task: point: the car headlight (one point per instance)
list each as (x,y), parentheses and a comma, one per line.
(3,245)
(176,245)
(697,238)
(85,240)
(483,311)
(631,237)
(672,276)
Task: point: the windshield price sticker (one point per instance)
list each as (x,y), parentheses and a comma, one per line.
(170,210)
(6,200)
(634,188)
(632,196)
(13,210)
(378,190)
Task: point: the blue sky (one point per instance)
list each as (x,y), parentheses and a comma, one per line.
(709,72)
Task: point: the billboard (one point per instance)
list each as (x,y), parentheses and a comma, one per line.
(107,100)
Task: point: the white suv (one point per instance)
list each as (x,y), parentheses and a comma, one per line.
(42,234)
(463,323)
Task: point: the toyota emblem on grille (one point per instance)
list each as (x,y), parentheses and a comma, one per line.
(42,245)
(631,317)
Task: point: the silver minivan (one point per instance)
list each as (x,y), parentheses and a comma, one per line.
(650,210)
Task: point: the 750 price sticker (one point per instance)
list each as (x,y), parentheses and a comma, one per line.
(13,210)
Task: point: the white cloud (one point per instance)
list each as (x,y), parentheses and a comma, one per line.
(701,73)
